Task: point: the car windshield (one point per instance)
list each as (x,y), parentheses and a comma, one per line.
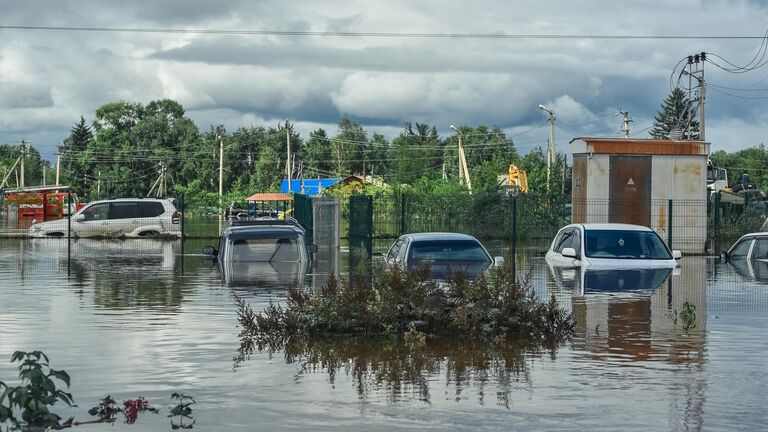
(265,250)
(464,251)
(619,244)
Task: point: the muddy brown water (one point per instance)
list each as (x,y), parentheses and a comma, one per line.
(149,317)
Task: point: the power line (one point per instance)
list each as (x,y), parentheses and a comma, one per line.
(245,32)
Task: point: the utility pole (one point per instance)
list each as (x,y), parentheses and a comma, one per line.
(221,172)
(551,146)
(23,156)
(98,185)
(463,170)
(288,166)
(44,167)
(698,75)
(627,121)
(58,164)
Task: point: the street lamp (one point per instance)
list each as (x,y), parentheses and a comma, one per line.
(551,147)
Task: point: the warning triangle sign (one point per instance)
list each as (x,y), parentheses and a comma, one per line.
(630,182)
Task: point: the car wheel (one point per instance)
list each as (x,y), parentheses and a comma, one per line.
(54,234)
(149,234)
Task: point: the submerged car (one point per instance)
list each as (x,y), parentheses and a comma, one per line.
(122,217)
(445,253)
(262,252)
(749,256)
(610,246)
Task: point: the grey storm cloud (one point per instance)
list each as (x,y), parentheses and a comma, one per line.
(48,79)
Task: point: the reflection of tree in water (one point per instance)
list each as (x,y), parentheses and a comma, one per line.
(403,370)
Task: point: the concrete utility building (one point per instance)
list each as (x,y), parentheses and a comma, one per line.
(632,180)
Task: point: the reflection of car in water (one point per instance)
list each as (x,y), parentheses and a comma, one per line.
(443,252)
(610,246)
(262,252)
(749,256)
(609,281)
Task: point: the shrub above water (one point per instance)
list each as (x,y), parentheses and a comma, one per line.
(496,305)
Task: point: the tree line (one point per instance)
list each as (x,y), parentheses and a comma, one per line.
(121,151)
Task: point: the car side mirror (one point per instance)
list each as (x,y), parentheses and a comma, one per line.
(724,257)
(676,254)
(498,261)
(79,218)
(312,248)
(210,250)
(569,252)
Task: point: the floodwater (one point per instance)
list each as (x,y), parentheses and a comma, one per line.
(148,318)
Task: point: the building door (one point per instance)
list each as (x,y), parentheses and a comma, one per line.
(629,190)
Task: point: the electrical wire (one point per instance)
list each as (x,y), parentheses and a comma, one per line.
(338,34)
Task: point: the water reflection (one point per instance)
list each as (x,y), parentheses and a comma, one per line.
(406,371)
(122,273)
(751,270)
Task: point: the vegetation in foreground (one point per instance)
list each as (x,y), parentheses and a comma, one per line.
(496,306)
(27,407)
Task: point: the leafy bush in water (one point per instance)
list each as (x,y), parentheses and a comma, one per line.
(35,395)
(496,305)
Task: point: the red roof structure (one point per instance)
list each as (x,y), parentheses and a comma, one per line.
(269,197)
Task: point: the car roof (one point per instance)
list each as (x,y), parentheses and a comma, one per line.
(130,200)
(262,229)
(612,227)
(439,236)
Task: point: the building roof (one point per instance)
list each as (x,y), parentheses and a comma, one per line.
(595,145)
(269,197)
(310,187)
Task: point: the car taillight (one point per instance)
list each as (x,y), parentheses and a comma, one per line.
(175,217)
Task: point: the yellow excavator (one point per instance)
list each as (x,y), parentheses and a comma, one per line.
(517,179)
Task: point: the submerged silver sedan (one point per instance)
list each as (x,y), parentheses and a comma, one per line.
(445,253)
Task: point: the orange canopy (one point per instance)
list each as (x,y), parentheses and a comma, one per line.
(269,197)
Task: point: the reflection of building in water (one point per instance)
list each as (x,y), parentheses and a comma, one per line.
(622,328)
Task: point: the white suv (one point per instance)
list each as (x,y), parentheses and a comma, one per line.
(123,217)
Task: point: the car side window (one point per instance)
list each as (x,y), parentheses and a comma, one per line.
(402,252)
(576,241)
(564,241)
(150,209)
(394,250)
(760,251)
(97,212)
(558,240)
(741,250)
(123,210)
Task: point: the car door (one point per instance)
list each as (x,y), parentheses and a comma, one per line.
(95,219)
(151,215)
(123,218)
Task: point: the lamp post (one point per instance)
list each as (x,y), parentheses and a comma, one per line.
(551,147)
(463,171)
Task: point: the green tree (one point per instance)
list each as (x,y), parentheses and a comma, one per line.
(675,114)
(268,171)
(317,155)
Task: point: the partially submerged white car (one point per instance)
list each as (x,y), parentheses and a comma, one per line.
(610,246)
(123,217)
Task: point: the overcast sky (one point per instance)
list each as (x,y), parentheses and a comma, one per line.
(48,79)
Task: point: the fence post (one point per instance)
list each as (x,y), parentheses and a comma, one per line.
(182,210)
(669,226)
(402,213)
(717,222)
(70,210)
(514,237)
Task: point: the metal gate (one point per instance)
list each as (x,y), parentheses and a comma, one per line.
(629,190)
(302,212)
(361,225)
